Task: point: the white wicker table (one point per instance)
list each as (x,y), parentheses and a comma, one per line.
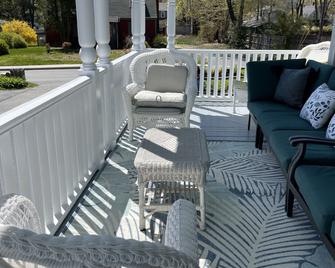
(172,162)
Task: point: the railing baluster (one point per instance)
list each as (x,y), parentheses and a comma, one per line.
(202,75)
(224,75)
(239,66)
(247,59)
(231,74)
(216,78)
(209,75)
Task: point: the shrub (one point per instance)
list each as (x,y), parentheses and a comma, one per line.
(16,73)
(4,48)
(159,41)
(19,42)
(12,82)
(22,28)
(8,37)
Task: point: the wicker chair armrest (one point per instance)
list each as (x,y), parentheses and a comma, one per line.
(181,229)
(132,89)
(86,251)
(19,211)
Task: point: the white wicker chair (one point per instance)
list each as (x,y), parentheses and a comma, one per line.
(159,117)
(20,242)
(318,52)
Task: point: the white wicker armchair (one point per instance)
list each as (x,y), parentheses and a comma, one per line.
(161,116)
(17,212)
(318,52)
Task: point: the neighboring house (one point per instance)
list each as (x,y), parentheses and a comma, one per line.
(120,19)
(162,16)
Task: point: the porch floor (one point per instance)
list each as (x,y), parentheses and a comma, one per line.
(245,196)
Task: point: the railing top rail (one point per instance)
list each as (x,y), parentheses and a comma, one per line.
(27,110)
(241,50)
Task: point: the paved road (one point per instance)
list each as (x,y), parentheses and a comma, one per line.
(46,80)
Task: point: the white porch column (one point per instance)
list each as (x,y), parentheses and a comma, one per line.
(86,36)
(137,24)
(331,56)
(102,31)
(171,23)
(143,22)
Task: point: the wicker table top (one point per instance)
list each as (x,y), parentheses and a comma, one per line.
(171,148)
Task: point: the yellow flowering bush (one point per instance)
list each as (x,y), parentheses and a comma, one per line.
(22,28)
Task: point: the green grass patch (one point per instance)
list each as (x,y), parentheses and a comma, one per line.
(193,41)
(39,56)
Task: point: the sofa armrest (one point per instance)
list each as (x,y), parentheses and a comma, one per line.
(302,142)
(263,77)
(295,140)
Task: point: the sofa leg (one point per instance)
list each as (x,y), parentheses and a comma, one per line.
(261,139)
(249,121)
(289,203)
(258,130)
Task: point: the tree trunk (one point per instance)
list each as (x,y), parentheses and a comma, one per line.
(316,11)
(231,11)
(324,4)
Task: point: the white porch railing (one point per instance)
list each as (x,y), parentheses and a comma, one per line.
(217,69)
(51,146)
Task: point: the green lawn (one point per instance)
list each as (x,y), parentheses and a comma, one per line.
(39,56)
(192,41)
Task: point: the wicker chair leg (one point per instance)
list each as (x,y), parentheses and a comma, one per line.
(131,129)
(202,224)
(141,206)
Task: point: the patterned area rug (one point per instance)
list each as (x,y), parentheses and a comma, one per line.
(246,223)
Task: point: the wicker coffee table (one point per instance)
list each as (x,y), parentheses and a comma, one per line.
(171,164)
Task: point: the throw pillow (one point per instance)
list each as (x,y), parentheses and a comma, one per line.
(166,78)
(291,87)
(330,134)
(319,107)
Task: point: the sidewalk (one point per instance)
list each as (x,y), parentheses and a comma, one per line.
(42,67)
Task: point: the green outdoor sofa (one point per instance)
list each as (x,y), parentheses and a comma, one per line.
(306,157)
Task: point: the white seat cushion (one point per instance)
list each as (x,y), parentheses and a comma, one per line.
(166,78)
(155,110)
(146,98)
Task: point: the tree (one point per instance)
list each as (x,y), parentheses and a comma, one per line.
(324,6)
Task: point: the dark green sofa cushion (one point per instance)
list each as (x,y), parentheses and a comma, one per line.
(323,74)
(331,80)
(332,233)
(289,120)
(291,87)
(259,107)
(263,77)
(315,154)
(317,184)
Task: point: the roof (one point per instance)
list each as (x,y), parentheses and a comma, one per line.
(122,8)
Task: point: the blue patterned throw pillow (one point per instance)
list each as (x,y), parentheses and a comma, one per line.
(330,134)
(319,107)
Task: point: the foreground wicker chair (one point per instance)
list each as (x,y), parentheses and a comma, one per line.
(20,241)
(159,115)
